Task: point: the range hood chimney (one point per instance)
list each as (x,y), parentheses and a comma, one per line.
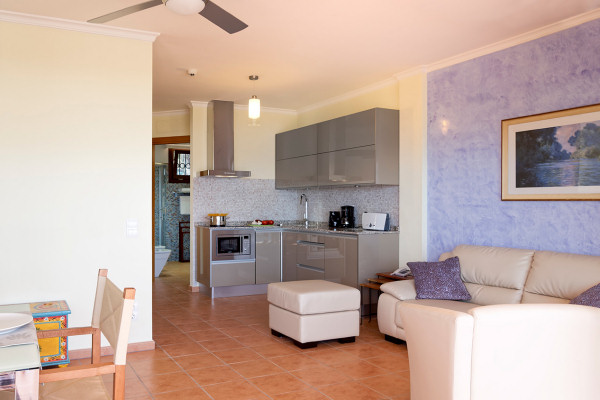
(220,141)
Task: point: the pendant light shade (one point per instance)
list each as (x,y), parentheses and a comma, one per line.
(185,7)
(254,108)
(254,103)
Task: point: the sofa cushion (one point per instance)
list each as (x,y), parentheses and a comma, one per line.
(497,274)
(439,280)
(590,297)
(560,277)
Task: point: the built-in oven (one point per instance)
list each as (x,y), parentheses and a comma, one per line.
(232,244)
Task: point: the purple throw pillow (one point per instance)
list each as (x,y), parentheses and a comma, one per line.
(590,297)
(439,280)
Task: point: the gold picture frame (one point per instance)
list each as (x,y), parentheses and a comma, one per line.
(552,156)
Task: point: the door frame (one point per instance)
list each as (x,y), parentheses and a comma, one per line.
(155,141)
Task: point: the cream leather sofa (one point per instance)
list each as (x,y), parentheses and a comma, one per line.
(497,275)
(502,352)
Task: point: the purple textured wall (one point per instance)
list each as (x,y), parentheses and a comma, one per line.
(466,104)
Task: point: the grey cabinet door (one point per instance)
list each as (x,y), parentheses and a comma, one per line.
(347,167)
(310,254)
(354,130)
(296,172)
(268,257)
(288,247)
(341,260)
(232,273)
(304,273)
(296,143)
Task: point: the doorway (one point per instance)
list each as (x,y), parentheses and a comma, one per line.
(170,207)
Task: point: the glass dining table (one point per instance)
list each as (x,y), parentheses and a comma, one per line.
(19,353)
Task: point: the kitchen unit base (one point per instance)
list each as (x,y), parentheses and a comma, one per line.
(239,290)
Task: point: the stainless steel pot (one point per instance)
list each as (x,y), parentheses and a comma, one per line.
(217,219)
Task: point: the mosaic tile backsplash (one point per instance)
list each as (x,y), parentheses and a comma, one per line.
(249,199)
(171,214)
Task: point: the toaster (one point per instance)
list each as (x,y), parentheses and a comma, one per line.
(376,221)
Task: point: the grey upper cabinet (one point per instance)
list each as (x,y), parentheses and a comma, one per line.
(296,172)
(357,149)
(296,143)
(354,130)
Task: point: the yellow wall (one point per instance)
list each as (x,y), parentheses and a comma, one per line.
(75,158)
(413,167)
(174,123)
(385,96)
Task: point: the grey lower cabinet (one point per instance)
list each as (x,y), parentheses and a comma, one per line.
(268,257)
(232,273)
(345,259)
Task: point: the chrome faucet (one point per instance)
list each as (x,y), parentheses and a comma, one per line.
(303,196)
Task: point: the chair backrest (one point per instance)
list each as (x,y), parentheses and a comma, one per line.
(113,309)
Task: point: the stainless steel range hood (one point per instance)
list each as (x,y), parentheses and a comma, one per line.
(220,141)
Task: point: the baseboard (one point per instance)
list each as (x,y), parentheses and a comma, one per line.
(108,351)
(194,289)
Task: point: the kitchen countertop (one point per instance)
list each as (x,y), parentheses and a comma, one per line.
(314,227)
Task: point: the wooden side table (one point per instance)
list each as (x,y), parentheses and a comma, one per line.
(375,284)
(49,315)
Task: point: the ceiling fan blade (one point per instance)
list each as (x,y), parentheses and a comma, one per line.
(126,11)
(221,18)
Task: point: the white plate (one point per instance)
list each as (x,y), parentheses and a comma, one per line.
(11,321)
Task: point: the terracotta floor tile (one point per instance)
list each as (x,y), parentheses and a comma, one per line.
(360,369)
(176,338)
(183,349)
(146,355)
(257,339)
(194,326)
(235,390)
(221,344)
(333,356)
(213,375)
(295,362)
(350,391)
(274,350)
(134,388)
(390,385)
(155,367)
(361,350)
(197,361)
(278,384)
(237,355)
(209,334)
(256,368)
(390,362)
(168,382)
(321,376)
(226,323)
(189,394)
(238,331)
(308,394)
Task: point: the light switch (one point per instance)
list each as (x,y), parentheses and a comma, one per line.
(131,228)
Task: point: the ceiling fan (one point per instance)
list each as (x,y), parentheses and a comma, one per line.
(206,8)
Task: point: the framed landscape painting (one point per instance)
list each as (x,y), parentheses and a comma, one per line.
(552,156)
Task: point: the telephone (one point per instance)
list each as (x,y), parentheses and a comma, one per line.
(402,271)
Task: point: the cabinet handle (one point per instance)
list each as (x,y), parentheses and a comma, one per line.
(310,243)
(309,267)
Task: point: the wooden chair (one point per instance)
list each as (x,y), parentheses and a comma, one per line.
(112,317)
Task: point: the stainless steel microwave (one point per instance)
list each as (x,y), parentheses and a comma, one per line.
(232,244)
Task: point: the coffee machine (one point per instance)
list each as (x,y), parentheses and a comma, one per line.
(347,217)
(334,219)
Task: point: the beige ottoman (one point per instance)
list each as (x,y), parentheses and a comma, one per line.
(315,310)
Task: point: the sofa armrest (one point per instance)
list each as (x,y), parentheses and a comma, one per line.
(402,290)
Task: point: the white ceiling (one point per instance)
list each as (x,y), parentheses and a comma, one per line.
(308,51)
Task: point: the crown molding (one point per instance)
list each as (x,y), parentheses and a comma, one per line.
(420,70)
(78,26)
(349,95)
(170,113)
(267,109)
(516,40)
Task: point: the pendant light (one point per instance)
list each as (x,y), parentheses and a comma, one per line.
(185,7)
(254,103)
